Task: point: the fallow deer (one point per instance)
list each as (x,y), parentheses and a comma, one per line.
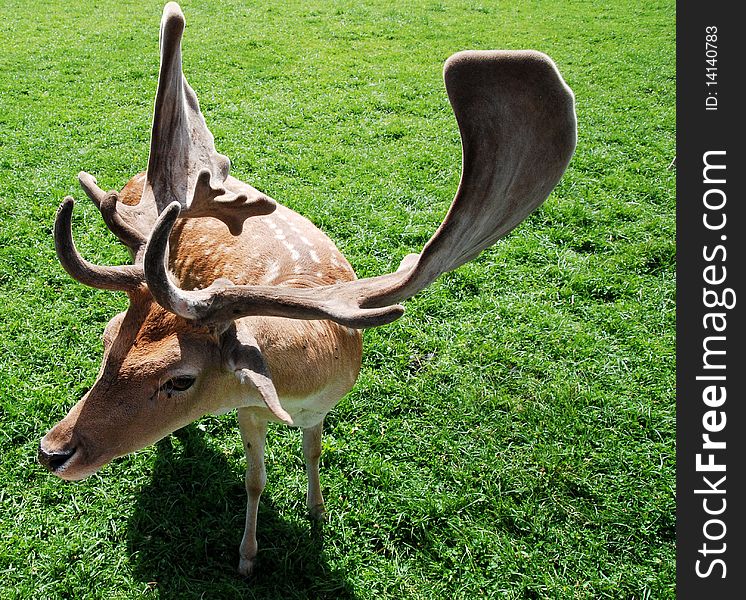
(238,302)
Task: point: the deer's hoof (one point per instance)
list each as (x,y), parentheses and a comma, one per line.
(317,512)
(245,567)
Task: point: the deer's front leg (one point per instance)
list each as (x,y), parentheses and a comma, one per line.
(311,454)
(253,434)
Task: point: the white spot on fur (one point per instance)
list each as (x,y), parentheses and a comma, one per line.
(297,269)
(293,252)
(272,272)
(314,257)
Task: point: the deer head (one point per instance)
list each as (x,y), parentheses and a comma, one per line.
(236,301)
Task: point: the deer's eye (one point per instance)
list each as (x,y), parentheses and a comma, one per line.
(178,384)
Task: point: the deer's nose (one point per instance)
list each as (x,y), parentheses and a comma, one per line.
(54,460)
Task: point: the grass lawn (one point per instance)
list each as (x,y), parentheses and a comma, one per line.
(512,436)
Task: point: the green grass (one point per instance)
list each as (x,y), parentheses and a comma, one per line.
(512,436)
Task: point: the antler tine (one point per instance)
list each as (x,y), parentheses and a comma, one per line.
(517,121)
(128,235)
(107,203)
(125,278)
(232,209)
(90,187)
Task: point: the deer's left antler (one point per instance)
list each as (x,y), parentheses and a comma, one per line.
(517,121)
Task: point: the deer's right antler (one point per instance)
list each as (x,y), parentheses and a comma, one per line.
(518,128)
(183,167)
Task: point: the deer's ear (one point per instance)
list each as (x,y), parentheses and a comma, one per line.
(242,356)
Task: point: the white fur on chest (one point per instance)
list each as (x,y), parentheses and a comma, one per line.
(305,411)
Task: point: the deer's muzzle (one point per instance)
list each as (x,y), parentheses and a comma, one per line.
(54,460)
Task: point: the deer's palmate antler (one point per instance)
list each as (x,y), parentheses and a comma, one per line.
(216,262)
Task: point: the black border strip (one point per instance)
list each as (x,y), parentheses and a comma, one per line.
(711,559)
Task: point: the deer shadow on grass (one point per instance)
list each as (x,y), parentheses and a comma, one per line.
(184,533)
